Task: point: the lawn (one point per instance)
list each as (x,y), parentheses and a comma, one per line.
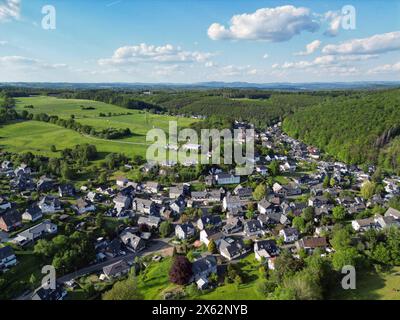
(17,278)
(373,286)
(154,282)
(245,291)
(38,137)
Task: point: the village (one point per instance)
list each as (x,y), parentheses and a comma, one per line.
(290,202)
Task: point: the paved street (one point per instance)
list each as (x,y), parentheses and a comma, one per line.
(153,247)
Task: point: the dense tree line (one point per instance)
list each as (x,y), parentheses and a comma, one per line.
(361,128)
(67,253)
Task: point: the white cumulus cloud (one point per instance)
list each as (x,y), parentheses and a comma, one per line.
(378,43)
(151,53)
(386,68)
(310,48)
(9,10)
(272,24)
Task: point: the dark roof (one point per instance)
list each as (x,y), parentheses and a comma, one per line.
(233,246)
(204,264)
(267,245)
(252,225)
(6,252)
(11,217)
(49,294)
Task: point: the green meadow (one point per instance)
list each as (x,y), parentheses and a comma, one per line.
(38,137)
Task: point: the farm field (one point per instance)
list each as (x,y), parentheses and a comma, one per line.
(38,137)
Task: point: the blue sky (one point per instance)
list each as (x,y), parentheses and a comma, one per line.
(187,41)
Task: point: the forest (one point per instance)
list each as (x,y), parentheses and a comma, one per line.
(363,128)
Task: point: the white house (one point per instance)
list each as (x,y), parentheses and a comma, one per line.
(265,249)
(184,231)
(289,234)
(49,204)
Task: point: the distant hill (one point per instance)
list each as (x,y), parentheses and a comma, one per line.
(210,85)
(362,127)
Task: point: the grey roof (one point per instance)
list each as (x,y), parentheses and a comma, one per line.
(393,212)
(115,268)
(6,252)
(204,264)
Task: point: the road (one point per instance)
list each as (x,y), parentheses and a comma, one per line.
(153,247)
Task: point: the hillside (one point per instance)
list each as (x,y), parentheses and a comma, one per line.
(14,136)
(363,127)
(257,106)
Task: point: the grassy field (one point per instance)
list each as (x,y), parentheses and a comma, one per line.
(246,291)
(38,137)
(154,282)
(373,286)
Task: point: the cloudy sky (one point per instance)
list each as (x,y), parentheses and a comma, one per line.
(187,41)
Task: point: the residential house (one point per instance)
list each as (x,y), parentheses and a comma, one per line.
(231,202)
(32,213)
(10,220)
(116,269)
(208,221)
(202,268)
(144,206)
(207,235)
(94,196)
(253,228)
(48,294)
(317,201)
(122,203)
(132,241)
(364,224)
(177,207)
(35,232)
(66,190)
(152,187)
(184,231)
(232,248)
(121,181)
(49,204)
(177,191)
(265,249)
(7,258)
(393,213)
(226,178)
(263,170)
(289,234)
(150,221)
(387,222)
(243,192)
(233,225)
(22,170)
(309,244)
(265,206)
(44,184)
(4,204)
(82,206)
